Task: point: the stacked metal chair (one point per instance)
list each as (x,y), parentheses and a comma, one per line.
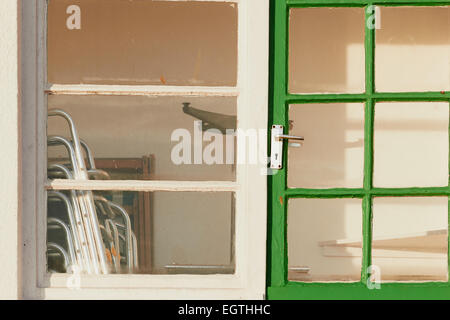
(85,232)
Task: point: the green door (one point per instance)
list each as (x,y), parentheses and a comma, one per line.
(359,209)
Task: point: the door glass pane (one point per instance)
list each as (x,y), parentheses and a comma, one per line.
(171,232)
(138,137)
(324,239)
(410,238)
(326,50)
(413,53)
(333,152)
(142,42)
(411,144)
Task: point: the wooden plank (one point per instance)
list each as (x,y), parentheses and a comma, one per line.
(142,185)
(123,163)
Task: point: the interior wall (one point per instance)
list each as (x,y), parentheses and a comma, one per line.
(332,154)
(134,126)
(326,50)
(413,53)
(187,228)
(144,42)
(425,221)
(411,144)
(192,229)
(313,221)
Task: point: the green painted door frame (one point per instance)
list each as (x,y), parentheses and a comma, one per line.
(278,287)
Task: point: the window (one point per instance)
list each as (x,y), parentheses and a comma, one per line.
(128,205)
(363,201)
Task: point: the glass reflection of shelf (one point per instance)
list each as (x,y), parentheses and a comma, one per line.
(431,241)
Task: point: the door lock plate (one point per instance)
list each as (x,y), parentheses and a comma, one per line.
(276,150)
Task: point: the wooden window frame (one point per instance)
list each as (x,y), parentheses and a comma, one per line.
(279,286)
(248,282)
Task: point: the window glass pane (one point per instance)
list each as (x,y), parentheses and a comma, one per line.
(410,238)
(324,239)
(171,232)
(333,152)
(326,50)
(131,136)
(143,42)
(413,53)
(411,144)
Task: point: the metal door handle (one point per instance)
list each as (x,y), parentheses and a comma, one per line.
(277,137)
(289,137)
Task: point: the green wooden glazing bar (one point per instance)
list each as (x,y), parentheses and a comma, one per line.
(376,96)
(359,193)
(409,2)
(325,98)
(411,96)
(324,193)
(368,143)
(367,238)
(369,45)
(278,181)
(410,192)
(331,3)
(315,4)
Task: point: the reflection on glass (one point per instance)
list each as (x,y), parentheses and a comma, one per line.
(140,232)
(410,238)
(138,137)
(143,42)
(411,144)
(333,152)
(324,239)
(413,52)
(326,50)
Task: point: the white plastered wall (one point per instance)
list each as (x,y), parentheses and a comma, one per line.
(9,146)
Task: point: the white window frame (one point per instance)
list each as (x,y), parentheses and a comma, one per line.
(251,91)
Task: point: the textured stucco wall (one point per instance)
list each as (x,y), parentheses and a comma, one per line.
(9,165)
